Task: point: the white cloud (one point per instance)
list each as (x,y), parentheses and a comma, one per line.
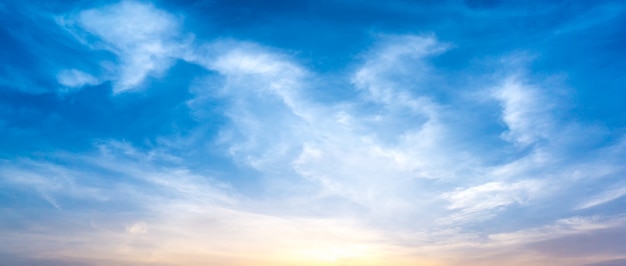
(562,227)
(395,68)
(265,109)
(480,202)
(123,174)
(49,180)
(145,38)
(137,228)
(74,78)
(525,113)
(604,197)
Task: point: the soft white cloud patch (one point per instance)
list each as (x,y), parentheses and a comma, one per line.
(525,113)
(397,67)
(559,228)
(267,115)
(137,228)
(477,202)
(74,78)
(605,197)
(145,38)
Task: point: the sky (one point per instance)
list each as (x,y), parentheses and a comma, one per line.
(328,132)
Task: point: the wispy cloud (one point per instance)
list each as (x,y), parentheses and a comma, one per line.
(146,39)
(73,78)
(604,197)
(479,200)
(184,215)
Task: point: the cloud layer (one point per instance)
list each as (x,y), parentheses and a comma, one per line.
(394,156)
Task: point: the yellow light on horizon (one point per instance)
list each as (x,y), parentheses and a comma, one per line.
(335,253)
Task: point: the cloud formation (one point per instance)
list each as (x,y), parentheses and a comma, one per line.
(145,38)
(396,155)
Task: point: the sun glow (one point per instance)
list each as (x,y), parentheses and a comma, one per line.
(336,253)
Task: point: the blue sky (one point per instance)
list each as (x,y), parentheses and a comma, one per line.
(476,132)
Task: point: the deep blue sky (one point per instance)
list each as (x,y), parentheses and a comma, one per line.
(361,132)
